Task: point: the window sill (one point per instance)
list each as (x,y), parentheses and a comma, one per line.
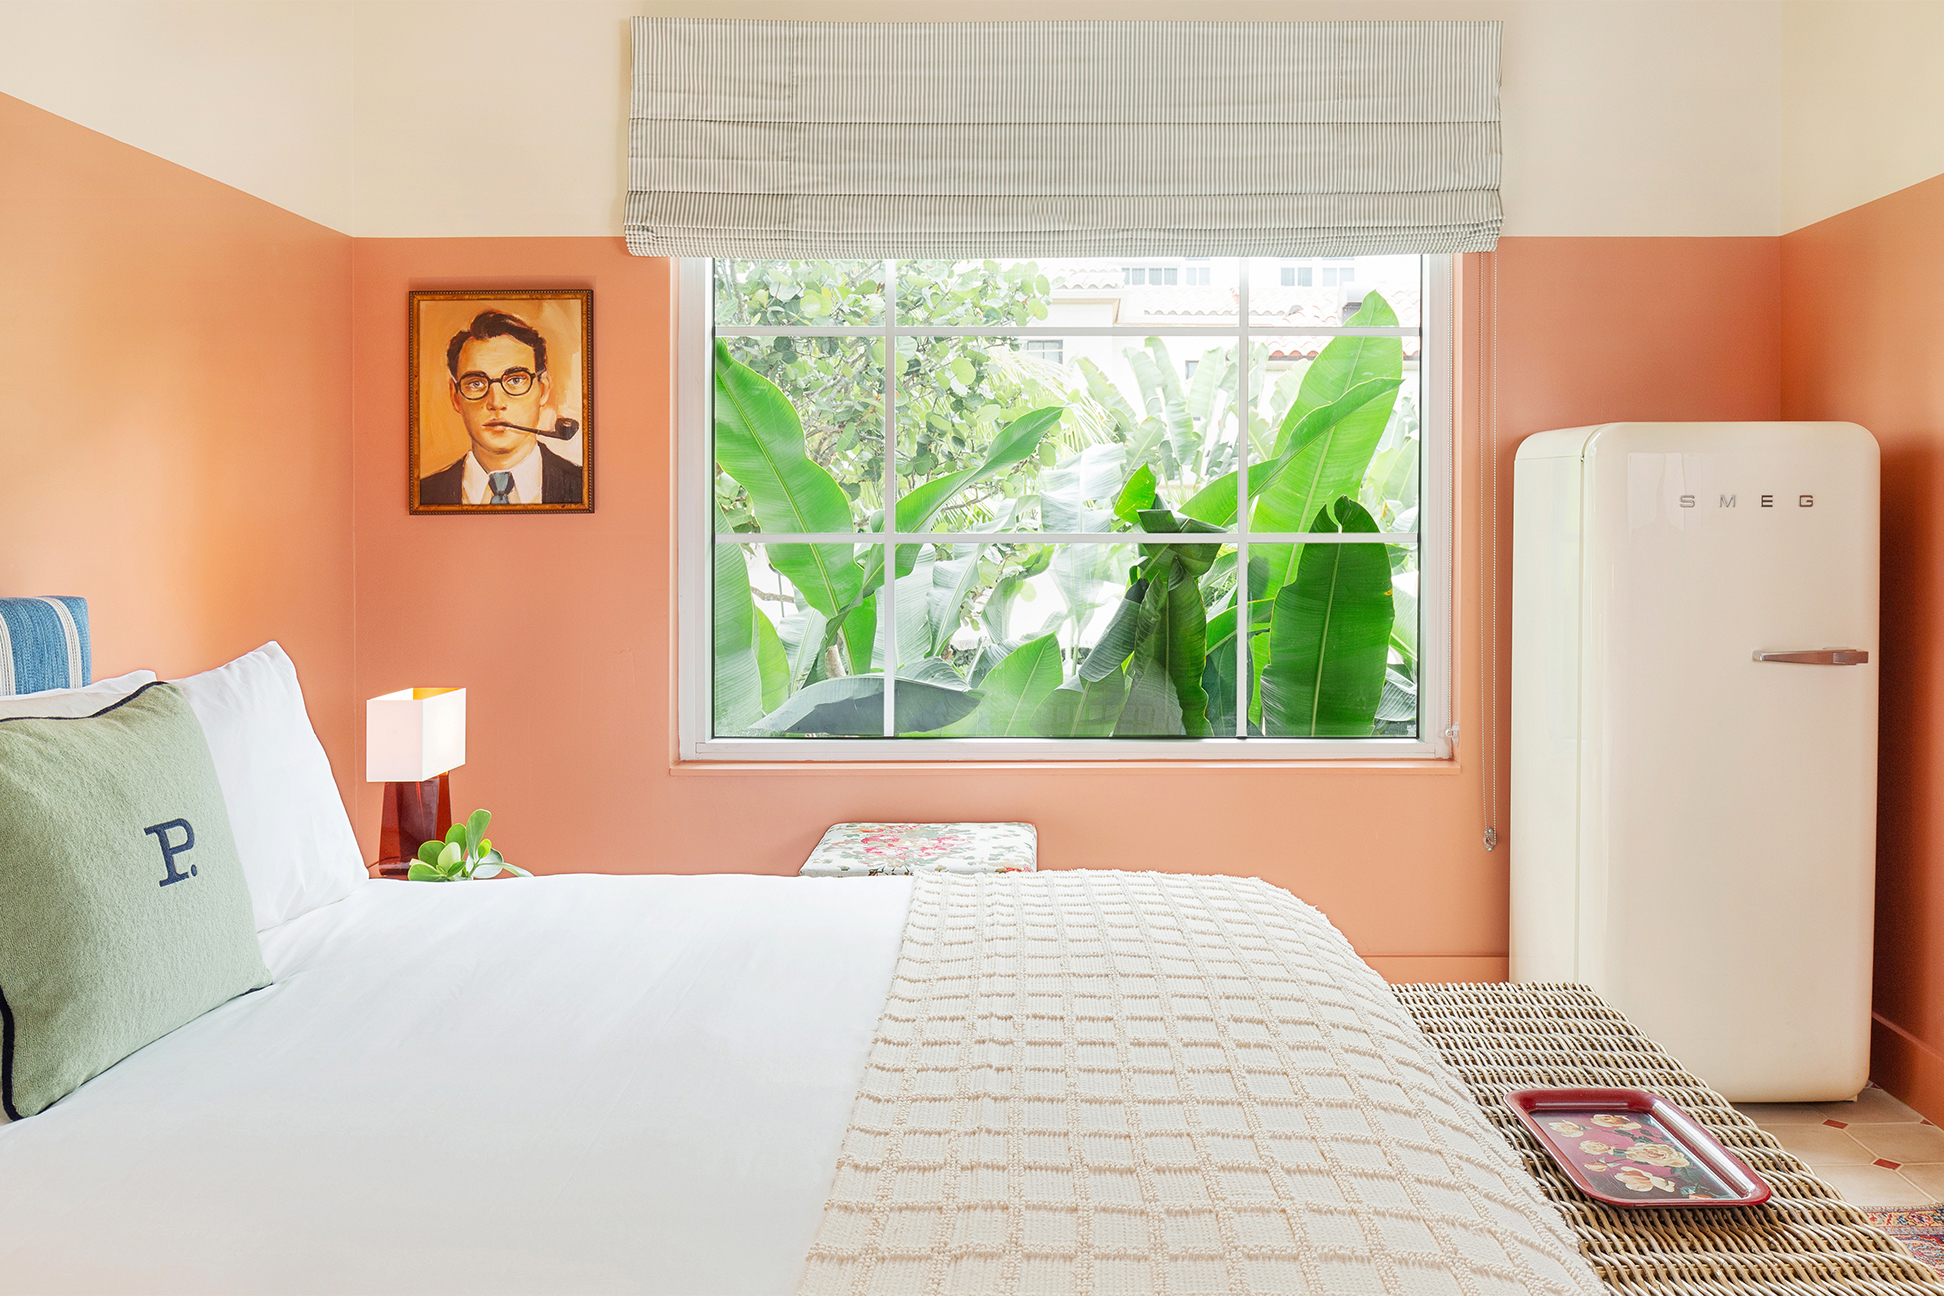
(1427,764)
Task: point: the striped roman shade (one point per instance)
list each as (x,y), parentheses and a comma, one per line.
(801,139)
(44,644)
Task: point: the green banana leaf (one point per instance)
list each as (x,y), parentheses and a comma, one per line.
(1329,635)
(1014,690)
(1302,430)
(1333,464)
(1087,577)
(1395,474)
(1404,629)
(773,661)
(914,629)
(1142,434)
(1097,472)
(931,670)
(1014,442)
(1078,709)
(952,580)
(1348,361)
(1209,381)
(860,635)
(1258,664)
(996,615)
(1218,679)
(1153,706)
(1154,373)
(759,442)
(738,678)
(1181,645)
(804,634)
(1194,559)
(1137,494)
(1117,642)
(1399,701)
(853,705)
(1107,395)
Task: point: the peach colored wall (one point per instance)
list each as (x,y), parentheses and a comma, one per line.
(176,446)
(1860,294)
(1596,330)
(562,627)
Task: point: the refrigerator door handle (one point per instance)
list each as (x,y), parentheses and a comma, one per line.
(1820,657)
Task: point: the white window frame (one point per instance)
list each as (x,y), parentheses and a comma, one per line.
(695,521)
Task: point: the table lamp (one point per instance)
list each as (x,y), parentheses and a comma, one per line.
(412,739)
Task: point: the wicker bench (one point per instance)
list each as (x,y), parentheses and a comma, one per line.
(1805,1241)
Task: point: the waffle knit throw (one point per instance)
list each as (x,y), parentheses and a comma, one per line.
(1136,1082)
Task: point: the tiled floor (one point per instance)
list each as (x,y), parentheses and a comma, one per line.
(1877,1152)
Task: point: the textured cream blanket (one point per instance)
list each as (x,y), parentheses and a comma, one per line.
(1140,1082)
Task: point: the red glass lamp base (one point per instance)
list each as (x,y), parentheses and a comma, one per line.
(415,813)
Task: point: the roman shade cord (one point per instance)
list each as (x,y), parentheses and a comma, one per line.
(1804,1241)
(1135,1082)
(1488,549)
(1027,139)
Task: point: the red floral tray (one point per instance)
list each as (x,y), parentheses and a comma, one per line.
(1627,1147)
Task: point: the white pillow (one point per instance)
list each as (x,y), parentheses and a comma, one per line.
(298,850)
(70,703)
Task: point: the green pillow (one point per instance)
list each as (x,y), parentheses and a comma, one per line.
(123,910)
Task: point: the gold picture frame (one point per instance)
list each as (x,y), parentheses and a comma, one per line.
(500,401)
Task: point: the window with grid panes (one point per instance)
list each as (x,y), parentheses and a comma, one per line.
(1030,459)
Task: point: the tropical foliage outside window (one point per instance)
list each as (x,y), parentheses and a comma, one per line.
(1043,495)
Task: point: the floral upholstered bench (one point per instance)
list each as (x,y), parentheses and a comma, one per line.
(875,849)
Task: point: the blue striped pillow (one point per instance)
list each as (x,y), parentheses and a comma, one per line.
(44,644)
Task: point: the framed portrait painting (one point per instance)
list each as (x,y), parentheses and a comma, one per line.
(502,401)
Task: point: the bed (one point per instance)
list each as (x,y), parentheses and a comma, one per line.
(592,1083)
(1067,1081)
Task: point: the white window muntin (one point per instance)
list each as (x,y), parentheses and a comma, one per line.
(695,333)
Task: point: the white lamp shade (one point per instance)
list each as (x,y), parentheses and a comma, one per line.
(414,734)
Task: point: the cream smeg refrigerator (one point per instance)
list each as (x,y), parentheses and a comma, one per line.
(1694,726)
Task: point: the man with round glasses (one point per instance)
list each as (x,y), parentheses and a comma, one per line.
(499,385)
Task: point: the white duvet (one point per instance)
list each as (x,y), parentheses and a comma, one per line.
(570,1084)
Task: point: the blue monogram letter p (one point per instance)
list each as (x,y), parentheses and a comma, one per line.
(172,849)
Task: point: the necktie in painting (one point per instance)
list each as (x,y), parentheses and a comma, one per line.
(501,484)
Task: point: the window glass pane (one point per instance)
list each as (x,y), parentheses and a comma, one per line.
(1090,292)
(1125,404)
(1014,293)
(775,651)
(836,388)
(1333,640)
(1318,294)
(1071,640)
(955,395)
(799,292)
(1371,452)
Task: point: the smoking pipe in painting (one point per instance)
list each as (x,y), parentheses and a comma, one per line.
(563,429)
